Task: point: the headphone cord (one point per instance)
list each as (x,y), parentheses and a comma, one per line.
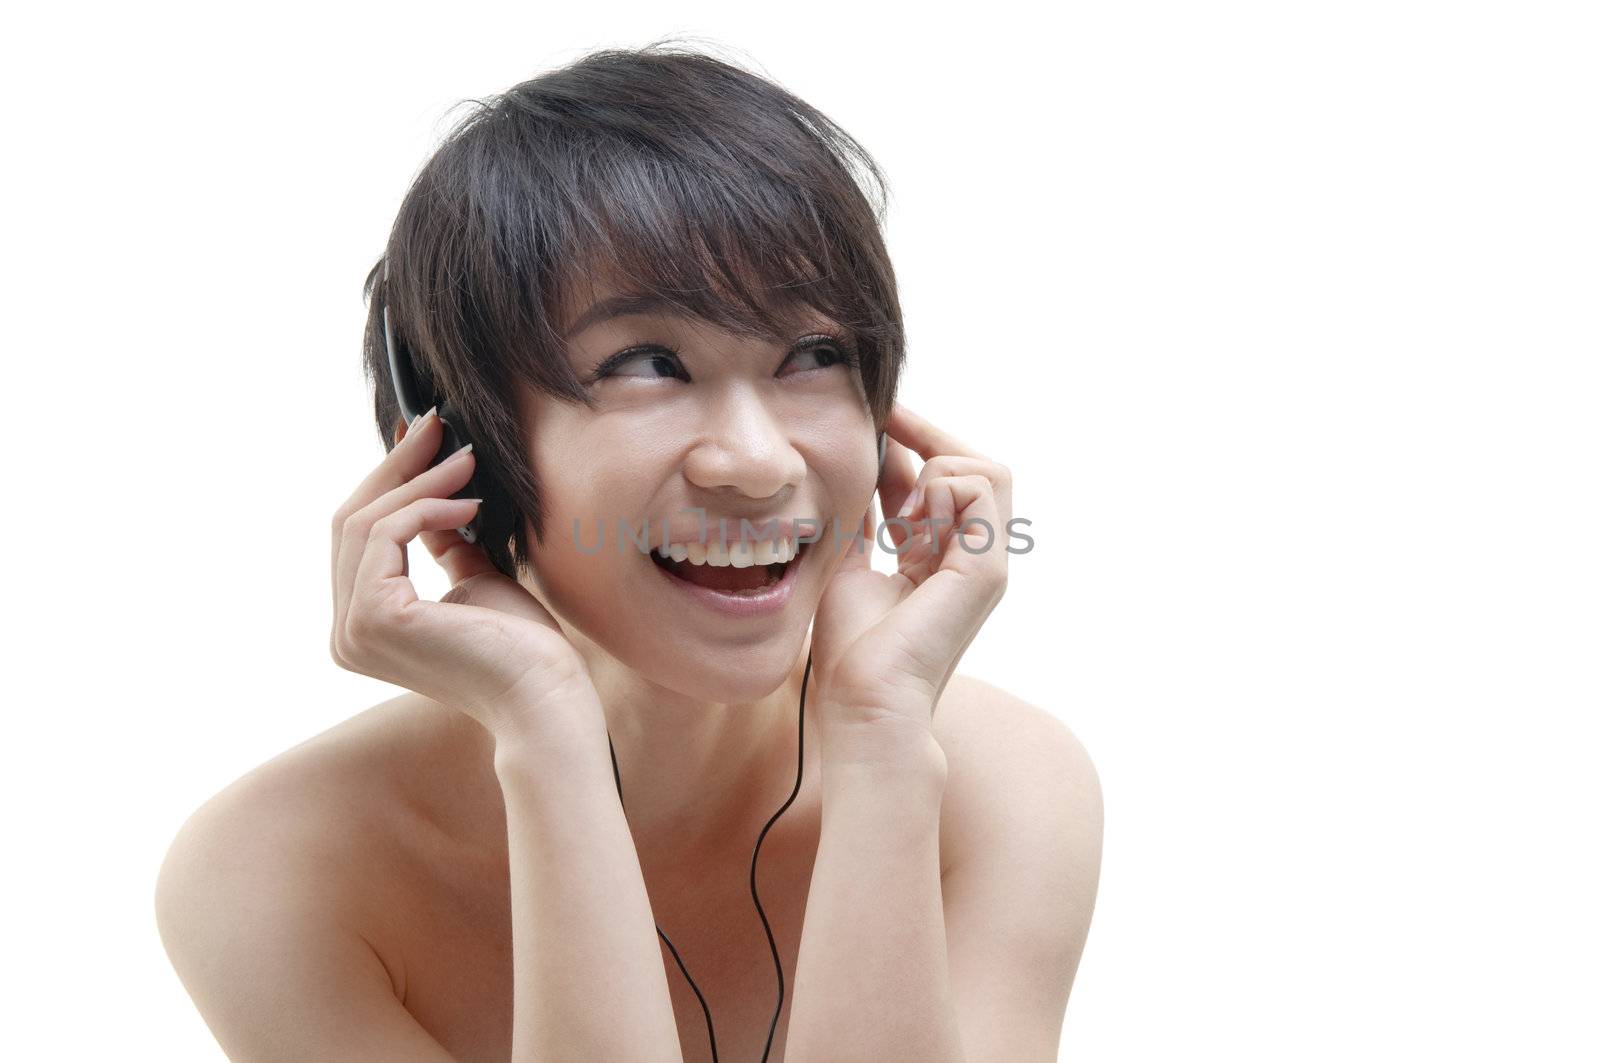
(776,963)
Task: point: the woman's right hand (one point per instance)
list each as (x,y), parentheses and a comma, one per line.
(488,647)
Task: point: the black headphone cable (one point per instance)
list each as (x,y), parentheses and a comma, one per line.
(771,942)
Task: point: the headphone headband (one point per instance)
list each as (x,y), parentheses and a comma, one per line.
(408,390)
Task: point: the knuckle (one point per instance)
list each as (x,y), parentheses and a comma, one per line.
(461,593)
(383,527)
(362,625)
(998,582)
(351,525)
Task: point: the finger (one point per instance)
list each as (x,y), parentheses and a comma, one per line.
(963,589)
(955,506)
(381,581)
(438,482)
(856,551)
(895,487)
(948,465)
(410,454)
(414,449)
(923,436)
(460,559)
(958,596)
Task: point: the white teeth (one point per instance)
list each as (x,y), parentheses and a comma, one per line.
(742,554)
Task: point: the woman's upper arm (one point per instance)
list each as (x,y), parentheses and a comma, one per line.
(257,938)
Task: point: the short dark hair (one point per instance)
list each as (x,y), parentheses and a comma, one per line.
(664,169)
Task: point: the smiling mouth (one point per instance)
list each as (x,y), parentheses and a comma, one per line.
(728,579)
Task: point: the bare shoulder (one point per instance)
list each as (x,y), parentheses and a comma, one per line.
(273,894)
(1015,766)
(1025,823)
(360,794)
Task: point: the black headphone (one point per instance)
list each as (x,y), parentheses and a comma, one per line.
(494,519)
(415,393)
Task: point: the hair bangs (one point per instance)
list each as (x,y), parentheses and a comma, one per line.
(719,247)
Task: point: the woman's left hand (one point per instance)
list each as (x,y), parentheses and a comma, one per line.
(885,645)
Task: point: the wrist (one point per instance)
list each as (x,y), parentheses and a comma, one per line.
(558,731)
(881,742)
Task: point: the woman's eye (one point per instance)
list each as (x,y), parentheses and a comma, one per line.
(650,364)
(823,353)
(657,362)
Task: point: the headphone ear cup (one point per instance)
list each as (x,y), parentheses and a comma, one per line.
(455,437)
(494,522)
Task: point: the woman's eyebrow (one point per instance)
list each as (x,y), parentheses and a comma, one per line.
(622,306)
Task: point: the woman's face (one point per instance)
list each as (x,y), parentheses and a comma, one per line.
(735,425)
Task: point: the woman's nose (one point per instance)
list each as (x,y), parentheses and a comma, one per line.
(754,456)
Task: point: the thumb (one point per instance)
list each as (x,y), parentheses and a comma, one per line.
(857,548)
(460,559)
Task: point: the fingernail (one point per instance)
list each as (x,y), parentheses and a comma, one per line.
(911,501)
(457,454)
(419,418)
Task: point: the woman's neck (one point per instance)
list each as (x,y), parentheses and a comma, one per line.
(698,776)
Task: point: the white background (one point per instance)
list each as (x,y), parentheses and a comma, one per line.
(1283,315)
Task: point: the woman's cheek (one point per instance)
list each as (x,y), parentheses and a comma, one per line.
(568,564)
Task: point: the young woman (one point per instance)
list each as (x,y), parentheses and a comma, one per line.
(654,295)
